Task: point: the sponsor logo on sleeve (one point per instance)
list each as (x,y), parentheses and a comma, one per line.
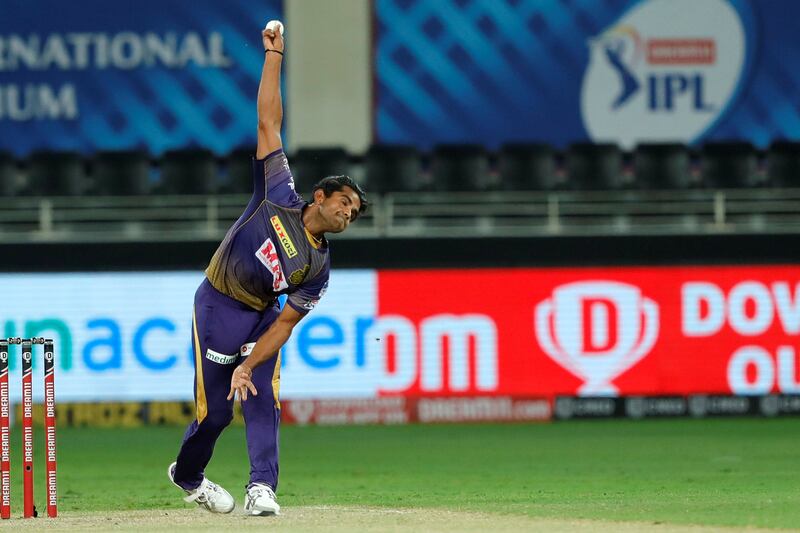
(311,304)
(246,349)
(268,255)
(286,169)
(286,242)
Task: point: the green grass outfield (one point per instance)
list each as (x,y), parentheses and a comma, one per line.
(711,472)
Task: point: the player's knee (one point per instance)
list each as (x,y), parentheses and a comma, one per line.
(217,420)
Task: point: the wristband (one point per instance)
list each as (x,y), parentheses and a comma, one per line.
(273,50)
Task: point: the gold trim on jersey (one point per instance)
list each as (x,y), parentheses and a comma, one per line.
(276,381)
(200,396)
(316,243)
(231,287)
(286,242)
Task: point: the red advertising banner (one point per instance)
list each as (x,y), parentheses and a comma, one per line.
(404,410)
(589,331)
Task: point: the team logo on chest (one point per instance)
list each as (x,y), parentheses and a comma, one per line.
(286,242)
(299,275)
(268,255)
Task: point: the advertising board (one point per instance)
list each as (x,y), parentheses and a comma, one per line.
(526,333)
(622,71)
(158,75)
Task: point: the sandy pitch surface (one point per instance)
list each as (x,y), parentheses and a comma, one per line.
(324,518)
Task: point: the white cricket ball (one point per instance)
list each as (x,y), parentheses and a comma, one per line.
(275,24)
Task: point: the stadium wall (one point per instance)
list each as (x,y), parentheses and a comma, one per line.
(426,253)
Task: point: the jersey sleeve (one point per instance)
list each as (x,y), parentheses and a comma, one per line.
(307,296)
(273,180)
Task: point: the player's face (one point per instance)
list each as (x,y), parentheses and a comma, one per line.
(339,209)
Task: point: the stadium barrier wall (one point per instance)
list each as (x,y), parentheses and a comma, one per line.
(397,252)
(389,410)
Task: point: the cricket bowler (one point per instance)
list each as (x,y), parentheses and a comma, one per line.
(276,247)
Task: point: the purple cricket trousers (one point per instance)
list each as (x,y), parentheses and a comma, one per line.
(221,329)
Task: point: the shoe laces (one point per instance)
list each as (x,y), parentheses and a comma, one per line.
(256,490)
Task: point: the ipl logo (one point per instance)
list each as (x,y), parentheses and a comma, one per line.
(664,71)
(614,47)
(597,330)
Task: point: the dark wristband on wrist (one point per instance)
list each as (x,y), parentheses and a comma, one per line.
(267,50)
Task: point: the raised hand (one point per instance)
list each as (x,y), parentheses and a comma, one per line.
(272,39)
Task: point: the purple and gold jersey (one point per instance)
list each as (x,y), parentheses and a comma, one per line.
(267,251)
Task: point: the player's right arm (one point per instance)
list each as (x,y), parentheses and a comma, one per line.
(266,347)
(269,105)
(299,303)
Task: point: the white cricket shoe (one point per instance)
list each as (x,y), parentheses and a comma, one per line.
(208,495)
(260,501)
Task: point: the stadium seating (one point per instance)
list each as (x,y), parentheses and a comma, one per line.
(728,165)
(55,174)
(397,168)
(9,175)
(527,167)
(662,166)
(191,171)
(238,172)
(594,167)
(461,167)
(393,168)
(783,164)
(309,165)
(122,173)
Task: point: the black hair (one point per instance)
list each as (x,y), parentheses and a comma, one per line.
(332,184)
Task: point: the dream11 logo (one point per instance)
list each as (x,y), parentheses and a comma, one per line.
(597,330)
(665,71)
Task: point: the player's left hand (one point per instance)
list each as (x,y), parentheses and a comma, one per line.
(241,382)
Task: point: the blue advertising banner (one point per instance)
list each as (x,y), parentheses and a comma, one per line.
(125,336)
(152,74)
(562,71)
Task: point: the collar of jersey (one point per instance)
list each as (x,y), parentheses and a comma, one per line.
(314,243)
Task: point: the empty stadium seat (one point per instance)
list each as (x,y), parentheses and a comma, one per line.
(783,164)
(394,168)
(121,173)
(55,174)
(239,171)
(309,165)
(594,167)
(726,165)
(527,167)
(461,167)
(662,166)
(9,175)
(191,171)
